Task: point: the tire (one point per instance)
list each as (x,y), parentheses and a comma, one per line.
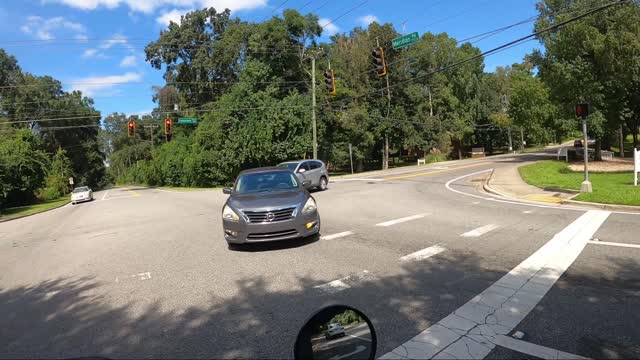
(72,203)
(324,184)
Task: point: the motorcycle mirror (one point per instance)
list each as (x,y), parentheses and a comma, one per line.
(337,333)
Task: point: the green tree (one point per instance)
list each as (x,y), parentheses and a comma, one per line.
(57,180)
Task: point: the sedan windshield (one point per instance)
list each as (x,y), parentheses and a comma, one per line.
(266,181)
(80,189)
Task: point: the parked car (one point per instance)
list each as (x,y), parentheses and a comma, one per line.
(578,143)
(335,330)
(81,194)
(268,204)
(312,170)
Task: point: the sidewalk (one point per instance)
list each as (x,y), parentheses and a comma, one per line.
(506,181)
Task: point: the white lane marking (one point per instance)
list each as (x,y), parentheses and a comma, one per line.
(527,212)
(538,351)
(480,231)
(359,349)
(119,197)
(401,220)
(476,202)
(143,276)
(358,337)
(338,235)
(614,244)
(355,179)
(105,194)
(471,330)
(424,253)
(333,287)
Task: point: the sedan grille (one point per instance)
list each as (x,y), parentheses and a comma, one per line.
(272,235)
(270,216)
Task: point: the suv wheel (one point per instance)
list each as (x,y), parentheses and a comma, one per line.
(323,183)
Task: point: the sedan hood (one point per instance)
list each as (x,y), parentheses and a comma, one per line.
(267,200)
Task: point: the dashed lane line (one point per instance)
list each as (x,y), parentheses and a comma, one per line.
(434,172)
(338,285)
(105,194)
(480,231)
(424,253)
(336,236)
(401,220)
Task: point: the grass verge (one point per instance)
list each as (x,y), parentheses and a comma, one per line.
(608,188)
(33,209)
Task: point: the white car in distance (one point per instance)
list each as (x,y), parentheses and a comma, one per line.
(81,194)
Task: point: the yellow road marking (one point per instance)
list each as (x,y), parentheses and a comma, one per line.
(544,198)
(135,193)
(434,172)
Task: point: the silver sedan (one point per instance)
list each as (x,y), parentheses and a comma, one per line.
(81,194)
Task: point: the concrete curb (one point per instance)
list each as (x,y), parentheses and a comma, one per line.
(39,212)
(610,207)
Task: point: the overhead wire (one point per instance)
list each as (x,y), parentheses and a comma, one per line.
(492,51)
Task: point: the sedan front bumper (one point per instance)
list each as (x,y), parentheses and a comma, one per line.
(241,232)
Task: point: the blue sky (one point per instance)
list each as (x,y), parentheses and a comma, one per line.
(101,42)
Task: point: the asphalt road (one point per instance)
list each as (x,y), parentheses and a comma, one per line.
(146,273)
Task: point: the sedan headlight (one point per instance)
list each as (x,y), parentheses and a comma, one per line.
(229,215)
(309,206)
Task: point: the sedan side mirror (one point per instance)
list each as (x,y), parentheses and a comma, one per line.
(306,183)
(226,191)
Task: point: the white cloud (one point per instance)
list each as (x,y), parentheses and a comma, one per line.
(43,29)
(167,17)
(128,61)
(81,37)
(94,84)
(89,53)
(148,6)
(368,19)
(99,52)
(328,26)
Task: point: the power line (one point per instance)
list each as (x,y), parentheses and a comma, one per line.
(345,13)
(496,49)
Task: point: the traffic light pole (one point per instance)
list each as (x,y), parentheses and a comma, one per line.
(586,184)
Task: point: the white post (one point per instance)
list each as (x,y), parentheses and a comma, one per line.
(636,166)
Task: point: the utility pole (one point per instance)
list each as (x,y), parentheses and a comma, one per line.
(151,127)
(313,106)
(522,138)
(621,142)
(505,104)
(385,155)
(313,54)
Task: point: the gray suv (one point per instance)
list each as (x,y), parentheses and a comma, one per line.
(313,170)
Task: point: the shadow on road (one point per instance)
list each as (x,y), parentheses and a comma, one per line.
(75,317)
(275,245)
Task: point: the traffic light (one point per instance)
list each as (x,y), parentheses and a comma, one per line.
(582,111)
(330,80)
(132,128)
(168,129)
(379,62)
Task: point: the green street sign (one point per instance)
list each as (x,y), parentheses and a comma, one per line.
(187,121)
(404,41)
